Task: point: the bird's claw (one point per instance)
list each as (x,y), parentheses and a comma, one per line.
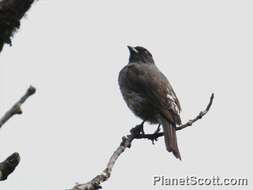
(138,129)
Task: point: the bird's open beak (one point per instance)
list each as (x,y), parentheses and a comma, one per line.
(132,49)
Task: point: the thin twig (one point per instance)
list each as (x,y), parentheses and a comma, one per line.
(201,114)
(16,108)
(95,183)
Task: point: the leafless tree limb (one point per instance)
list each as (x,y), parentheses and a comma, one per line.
(135,133)
(9,165)
(199,116)
(16,108)
(11,12)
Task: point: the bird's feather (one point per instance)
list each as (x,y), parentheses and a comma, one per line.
(149,82)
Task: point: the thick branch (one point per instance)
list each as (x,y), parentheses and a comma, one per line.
(11,12)
(16,108)
(9,165)
(135,133)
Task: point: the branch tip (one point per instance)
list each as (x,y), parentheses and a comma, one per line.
(16,108)
(31,90)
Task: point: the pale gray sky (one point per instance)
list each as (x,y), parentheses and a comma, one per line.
(72,52)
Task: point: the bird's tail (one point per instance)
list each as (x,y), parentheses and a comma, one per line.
(170,137)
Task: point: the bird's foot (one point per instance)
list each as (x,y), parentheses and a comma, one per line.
(138,129)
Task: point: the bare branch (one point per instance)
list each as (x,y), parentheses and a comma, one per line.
(201,114)
(16,108)
(135,133)
(9,165)
(11,12)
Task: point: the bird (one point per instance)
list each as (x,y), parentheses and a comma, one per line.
(150,96)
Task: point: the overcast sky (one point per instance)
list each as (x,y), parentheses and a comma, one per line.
(72,52)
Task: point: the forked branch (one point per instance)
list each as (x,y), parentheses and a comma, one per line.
(135,133)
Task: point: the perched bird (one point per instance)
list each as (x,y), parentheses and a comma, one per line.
(150,96)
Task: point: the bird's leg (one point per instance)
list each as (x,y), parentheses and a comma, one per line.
(138,129)
(142,128)
(157,131)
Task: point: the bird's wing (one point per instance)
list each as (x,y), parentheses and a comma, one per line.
(173,101)
(173,95)
(149,82)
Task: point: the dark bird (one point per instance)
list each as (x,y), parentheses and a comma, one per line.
(150,96)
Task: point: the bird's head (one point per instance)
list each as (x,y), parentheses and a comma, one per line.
(139,54)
